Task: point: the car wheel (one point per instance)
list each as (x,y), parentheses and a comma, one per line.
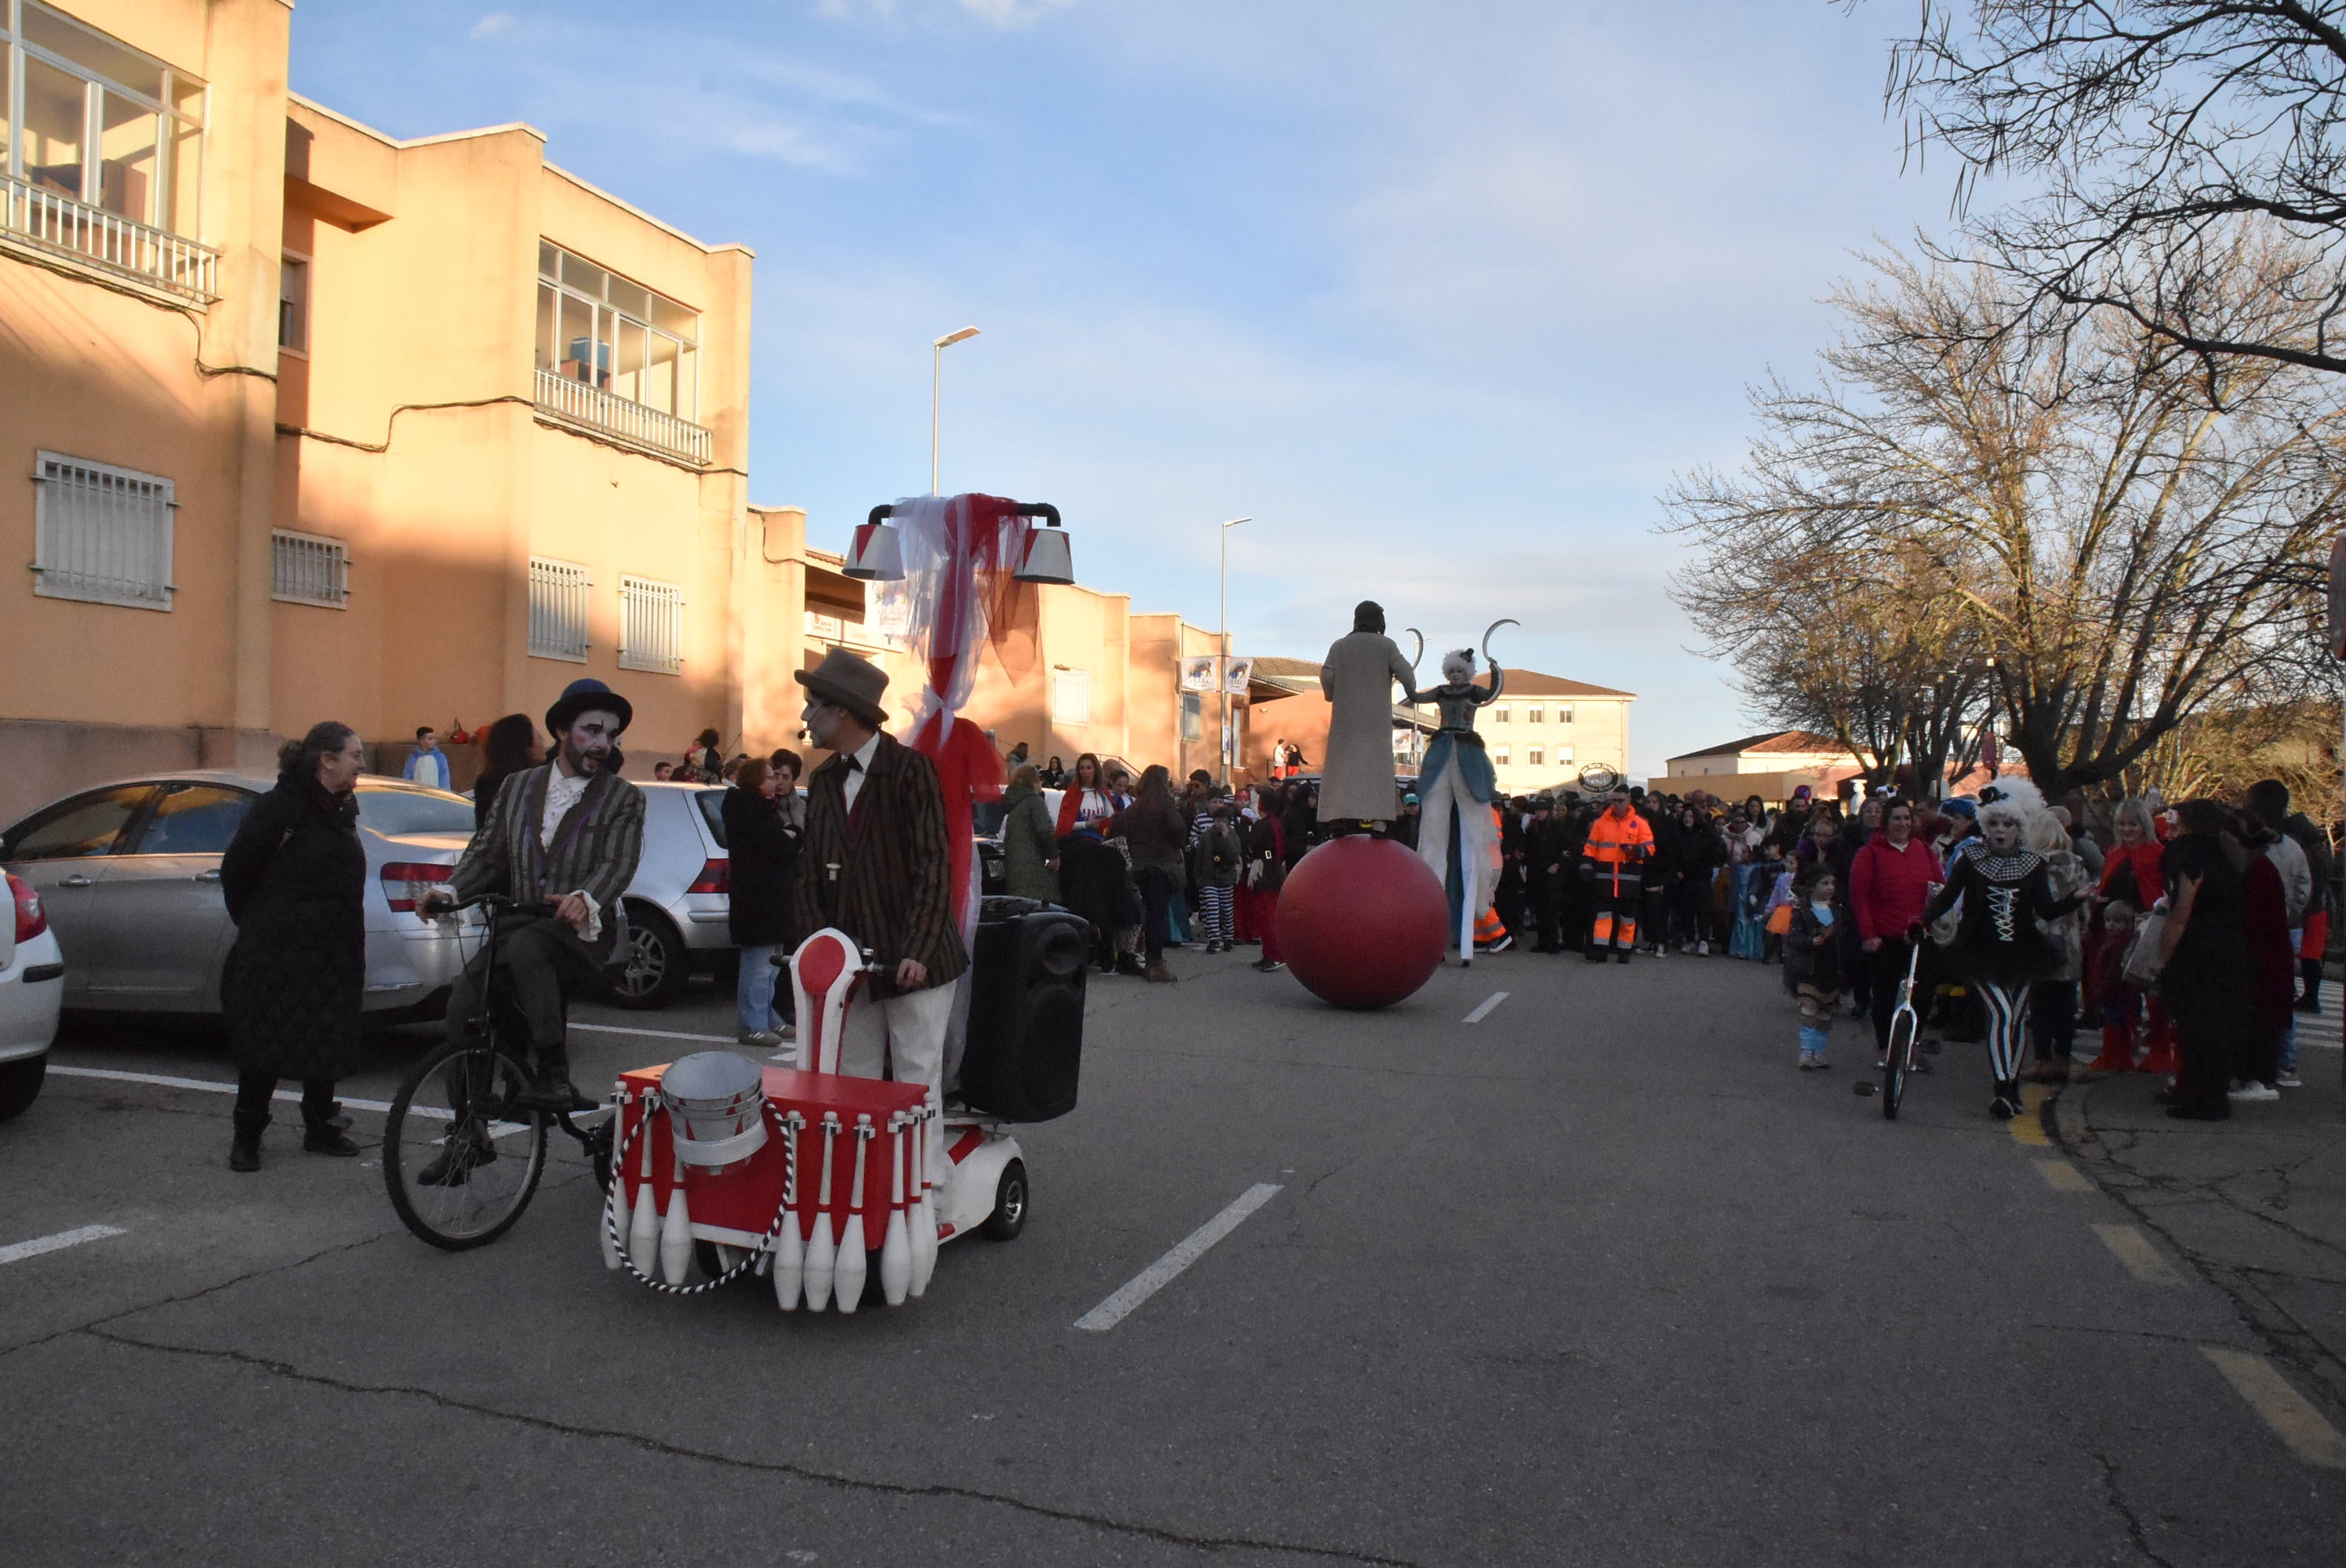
(20,1083)
(654,964)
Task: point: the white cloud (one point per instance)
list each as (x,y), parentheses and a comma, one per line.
(495,25)
(1011,13)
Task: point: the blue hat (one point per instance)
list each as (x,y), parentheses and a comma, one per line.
(581,696)
(1409,800)
(1960,807)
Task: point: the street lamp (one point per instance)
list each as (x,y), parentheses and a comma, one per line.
(936,391)
(1222,665)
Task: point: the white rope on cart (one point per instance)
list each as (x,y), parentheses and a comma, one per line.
(782,1212)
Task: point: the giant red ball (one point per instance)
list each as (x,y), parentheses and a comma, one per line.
(1363,922)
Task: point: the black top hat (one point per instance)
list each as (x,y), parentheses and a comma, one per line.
(579,697)
(854,684)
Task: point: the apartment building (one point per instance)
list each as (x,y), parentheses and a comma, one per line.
(1544,730)
(312,422)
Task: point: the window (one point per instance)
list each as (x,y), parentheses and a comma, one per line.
(193,820)
(293,304)
(1564,716)
(651,626)
(1193,717)
(1499,756)
(1532,717)
(396,812)
(306,569)
(98,123)
(86,825)
(1535,756)
(615,336)
(557,609)
(1564,757)
(102,533)
(1071,697)
(1498,715)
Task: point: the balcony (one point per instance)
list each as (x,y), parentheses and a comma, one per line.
(47,221)
(592,409)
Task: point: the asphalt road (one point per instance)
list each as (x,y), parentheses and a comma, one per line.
(1598,1278)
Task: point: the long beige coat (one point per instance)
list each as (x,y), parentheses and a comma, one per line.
(1357,775)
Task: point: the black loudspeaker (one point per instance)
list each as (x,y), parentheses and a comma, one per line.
(1025,1043)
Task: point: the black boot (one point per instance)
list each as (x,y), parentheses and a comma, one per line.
(244,1147)
(553,1091)
(320,1136)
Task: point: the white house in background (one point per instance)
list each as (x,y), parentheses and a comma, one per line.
(1771,766)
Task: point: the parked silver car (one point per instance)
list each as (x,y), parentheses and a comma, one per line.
(129,875)
(678,904)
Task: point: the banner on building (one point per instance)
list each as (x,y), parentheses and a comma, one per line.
(1197,673)
(1234,680)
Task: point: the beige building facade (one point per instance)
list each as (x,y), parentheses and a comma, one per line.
(315,422)
(1769,765)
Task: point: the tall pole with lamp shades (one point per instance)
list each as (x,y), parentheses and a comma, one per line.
(937,393)
(1222,665)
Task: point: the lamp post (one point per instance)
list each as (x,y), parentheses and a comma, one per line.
(1222,665)
(937,391)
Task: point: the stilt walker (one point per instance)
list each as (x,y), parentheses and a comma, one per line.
(1455,786)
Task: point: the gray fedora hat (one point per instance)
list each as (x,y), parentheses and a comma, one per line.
(855,684)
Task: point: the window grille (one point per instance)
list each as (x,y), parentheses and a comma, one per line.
(101,534)
(557,609)
(1071,697)
(305,569)
(651,626)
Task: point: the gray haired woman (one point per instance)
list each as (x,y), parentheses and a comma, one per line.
(294,877)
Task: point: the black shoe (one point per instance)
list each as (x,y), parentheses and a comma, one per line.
(2006,1104)
(325,1138)
(244,1147)
(554,1094)
(1620,958)
(2310,1005)
(1127,964)
(459,1154)
(1594,955)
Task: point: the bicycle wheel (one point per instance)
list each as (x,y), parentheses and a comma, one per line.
(460,1162)
(1895,1062)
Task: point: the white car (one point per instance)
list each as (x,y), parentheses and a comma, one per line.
(32,992)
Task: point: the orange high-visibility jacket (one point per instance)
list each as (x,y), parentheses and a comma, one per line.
(1619,841)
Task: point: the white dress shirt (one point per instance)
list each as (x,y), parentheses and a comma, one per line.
(562,792)
(852,785)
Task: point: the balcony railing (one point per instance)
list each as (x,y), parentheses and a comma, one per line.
(49,221)
(598,410)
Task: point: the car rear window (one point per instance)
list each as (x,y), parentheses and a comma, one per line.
(712,811)
(398,812)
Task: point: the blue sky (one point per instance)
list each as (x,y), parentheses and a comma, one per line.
(1442,295)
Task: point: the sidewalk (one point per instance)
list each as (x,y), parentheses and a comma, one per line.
(2257,1204)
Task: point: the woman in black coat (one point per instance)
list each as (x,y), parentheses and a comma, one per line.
(293,878)
(763,845)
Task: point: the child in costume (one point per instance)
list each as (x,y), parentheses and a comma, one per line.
(1812,969)
(2121,1004)
(1999,949)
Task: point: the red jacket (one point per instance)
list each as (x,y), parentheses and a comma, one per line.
(2146,862)
(1888,888)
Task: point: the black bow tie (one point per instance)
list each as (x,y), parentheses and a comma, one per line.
(854,766)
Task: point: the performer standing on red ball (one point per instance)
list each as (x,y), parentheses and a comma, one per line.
(874,865)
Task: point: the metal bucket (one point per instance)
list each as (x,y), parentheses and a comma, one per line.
(716,1103)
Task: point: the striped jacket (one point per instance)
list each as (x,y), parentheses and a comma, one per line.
(883,877)
(595,848)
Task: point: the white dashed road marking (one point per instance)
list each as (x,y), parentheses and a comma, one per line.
(1485,1010)
(1161,1273)
(17,1252)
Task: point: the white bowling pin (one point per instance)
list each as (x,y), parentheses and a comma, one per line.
(820,1256)
(643,1229)
(924,1211)
(897,1249)
(676,1231)
(613,1218)
(847,1285)
(789,1255)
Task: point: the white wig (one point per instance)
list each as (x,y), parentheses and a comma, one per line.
(2020,802)
(1458,665)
